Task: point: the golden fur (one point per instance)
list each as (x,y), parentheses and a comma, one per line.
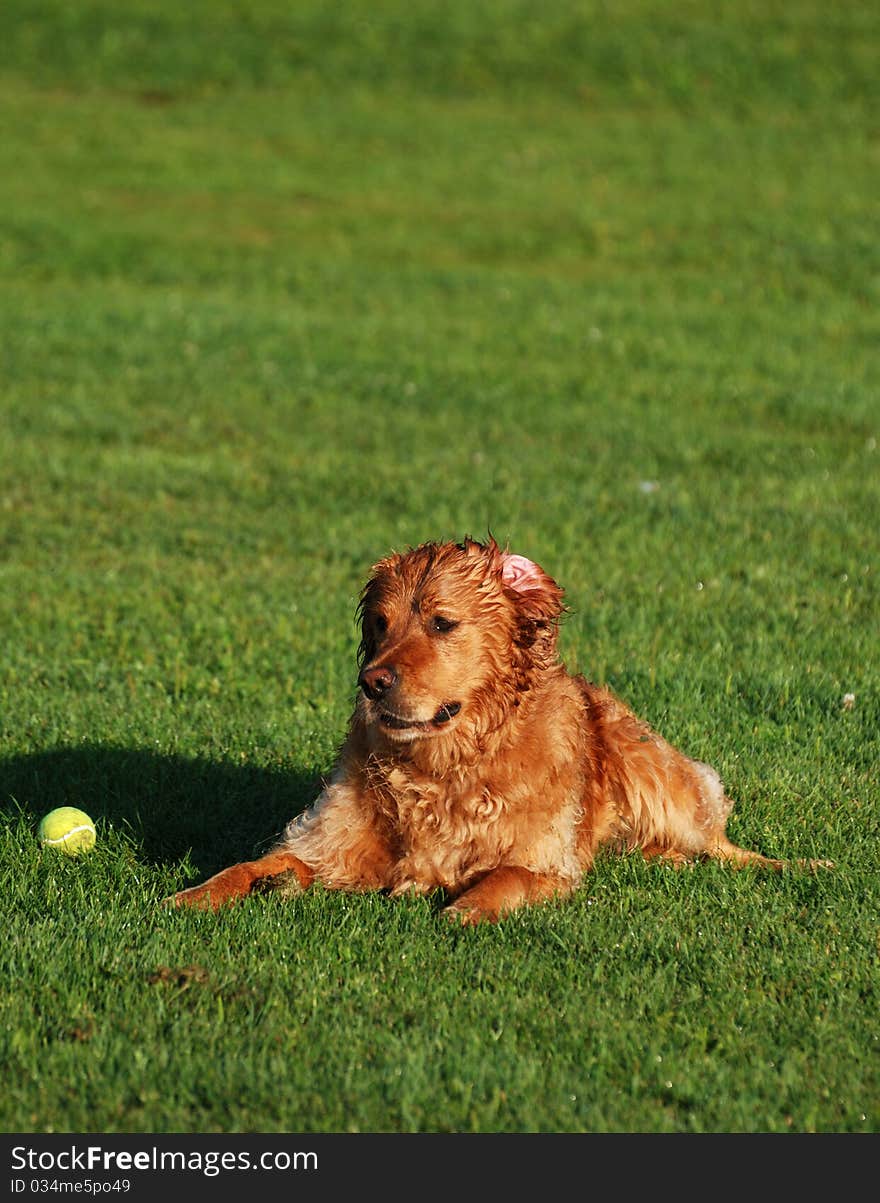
(474,763)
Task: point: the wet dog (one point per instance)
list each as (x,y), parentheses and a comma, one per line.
(475,764)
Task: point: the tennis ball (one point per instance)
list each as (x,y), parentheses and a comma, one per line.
(68,829)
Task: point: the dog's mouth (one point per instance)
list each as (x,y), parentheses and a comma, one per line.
(395,722)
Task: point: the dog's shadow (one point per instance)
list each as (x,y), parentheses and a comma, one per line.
(169,806)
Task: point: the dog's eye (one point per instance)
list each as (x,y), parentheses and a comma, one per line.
(442,625)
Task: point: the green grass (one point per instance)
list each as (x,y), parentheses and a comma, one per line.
(286,286)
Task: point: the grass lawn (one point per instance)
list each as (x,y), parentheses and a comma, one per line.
(283,287)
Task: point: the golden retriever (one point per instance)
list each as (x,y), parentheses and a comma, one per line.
(475,764)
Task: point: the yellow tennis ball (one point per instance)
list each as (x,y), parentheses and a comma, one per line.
(67,829)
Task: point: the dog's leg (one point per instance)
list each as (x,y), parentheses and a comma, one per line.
(503,890)
(238,880)
(657,851)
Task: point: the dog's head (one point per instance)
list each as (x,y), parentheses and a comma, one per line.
(450,631)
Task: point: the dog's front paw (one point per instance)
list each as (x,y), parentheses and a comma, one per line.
(469,914)
(198,897)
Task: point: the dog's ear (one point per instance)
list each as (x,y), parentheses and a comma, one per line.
(537,595)
(371,598)
(538,606)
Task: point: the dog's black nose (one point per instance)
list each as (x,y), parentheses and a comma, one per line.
(377,681)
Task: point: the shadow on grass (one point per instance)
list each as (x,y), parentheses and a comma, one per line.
(170,806)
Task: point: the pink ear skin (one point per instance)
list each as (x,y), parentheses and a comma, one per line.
(538,595)
(521,574)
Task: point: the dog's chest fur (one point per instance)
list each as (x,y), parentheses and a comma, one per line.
(450,831)
(446,832)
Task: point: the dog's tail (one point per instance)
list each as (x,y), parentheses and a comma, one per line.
(724,850)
